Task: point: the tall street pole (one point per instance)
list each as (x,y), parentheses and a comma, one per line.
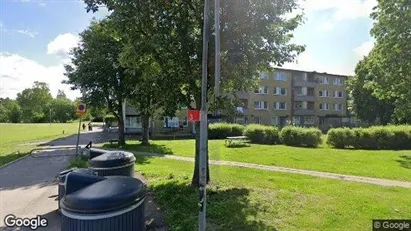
(203,124)
(217,50)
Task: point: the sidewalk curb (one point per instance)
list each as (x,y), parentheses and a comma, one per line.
(14,161)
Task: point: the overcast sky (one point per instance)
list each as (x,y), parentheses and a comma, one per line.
(35,36)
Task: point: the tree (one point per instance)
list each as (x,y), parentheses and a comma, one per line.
(63,109)
(390,59)
(96,71)
(35,102)
(255,35)
(365,105)
(14,111)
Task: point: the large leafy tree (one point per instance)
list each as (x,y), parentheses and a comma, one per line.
(390,61)
(63,109)
(255,34)
(365,105)
(97,72)
(35,102)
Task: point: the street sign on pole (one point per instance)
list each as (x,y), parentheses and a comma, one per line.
(81,109)
(193,115)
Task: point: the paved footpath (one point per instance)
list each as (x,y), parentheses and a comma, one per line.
(368,180)
(28,187)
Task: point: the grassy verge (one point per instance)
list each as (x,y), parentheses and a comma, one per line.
(381,164)
(246,199)
(18,139)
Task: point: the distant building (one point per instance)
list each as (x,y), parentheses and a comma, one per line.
(284,97)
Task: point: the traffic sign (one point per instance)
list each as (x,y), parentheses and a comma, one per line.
(81,109)
(193,115)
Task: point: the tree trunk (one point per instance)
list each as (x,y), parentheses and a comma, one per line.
(121,135)
(195,181)
(146,127)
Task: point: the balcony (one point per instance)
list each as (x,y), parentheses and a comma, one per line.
(298,97)
(243,95)
(243,110)
(302,83)
(302,111)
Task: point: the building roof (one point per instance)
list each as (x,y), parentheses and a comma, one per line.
(314,72)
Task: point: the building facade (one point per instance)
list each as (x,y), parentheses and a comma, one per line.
(296,97)
(283,97)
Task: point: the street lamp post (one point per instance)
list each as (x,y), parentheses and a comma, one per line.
(203,124)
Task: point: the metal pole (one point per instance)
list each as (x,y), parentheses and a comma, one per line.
(217,49)
(50,116)
(78,135)
(203,124)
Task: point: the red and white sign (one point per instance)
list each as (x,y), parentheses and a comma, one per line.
(193,115)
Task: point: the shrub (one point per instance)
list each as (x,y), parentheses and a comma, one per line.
(223,130)
(109,119)
(97,119)
(373,138)
(260,134)
(300,137)
(340,137)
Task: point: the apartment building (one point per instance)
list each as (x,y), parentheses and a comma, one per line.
(298,97)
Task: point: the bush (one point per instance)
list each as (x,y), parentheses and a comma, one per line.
(340,137)
(260,134)
(223,130)
(109,119)
(300,137)
(98,119)
(373,138)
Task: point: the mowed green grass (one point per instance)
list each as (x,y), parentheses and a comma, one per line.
(380,164)
(20,137)
(253,200)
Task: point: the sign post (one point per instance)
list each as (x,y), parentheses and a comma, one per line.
(80,111)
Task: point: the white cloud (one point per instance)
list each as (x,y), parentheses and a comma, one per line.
(348,9)
(18,73)
(326,26)
(364,48)
(29,33)
(307,62)
(62,44)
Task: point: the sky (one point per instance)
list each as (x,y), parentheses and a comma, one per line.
(36,36)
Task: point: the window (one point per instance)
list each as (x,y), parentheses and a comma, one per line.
(338,82)
(323,93)
(276,121)
(133,122)
(280,105)
(280,76)
(300,105)
(280,91)
(262,90)
(171,122)
(296,120)
(338,94)
(263,75)
(309,120)
(323,106)
(260,105)
(257,120)
(323,80)
(338,107)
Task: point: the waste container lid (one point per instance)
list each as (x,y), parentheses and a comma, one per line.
(112,194)
(84,171)
(112,159)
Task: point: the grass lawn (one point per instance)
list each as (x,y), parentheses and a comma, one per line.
(246,199)
(381,164)
(21,137)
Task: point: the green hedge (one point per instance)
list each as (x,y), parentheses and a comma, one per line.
(109,119)
(374,138)
(300,137)
(223,130)
(340,137)
(260,134)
